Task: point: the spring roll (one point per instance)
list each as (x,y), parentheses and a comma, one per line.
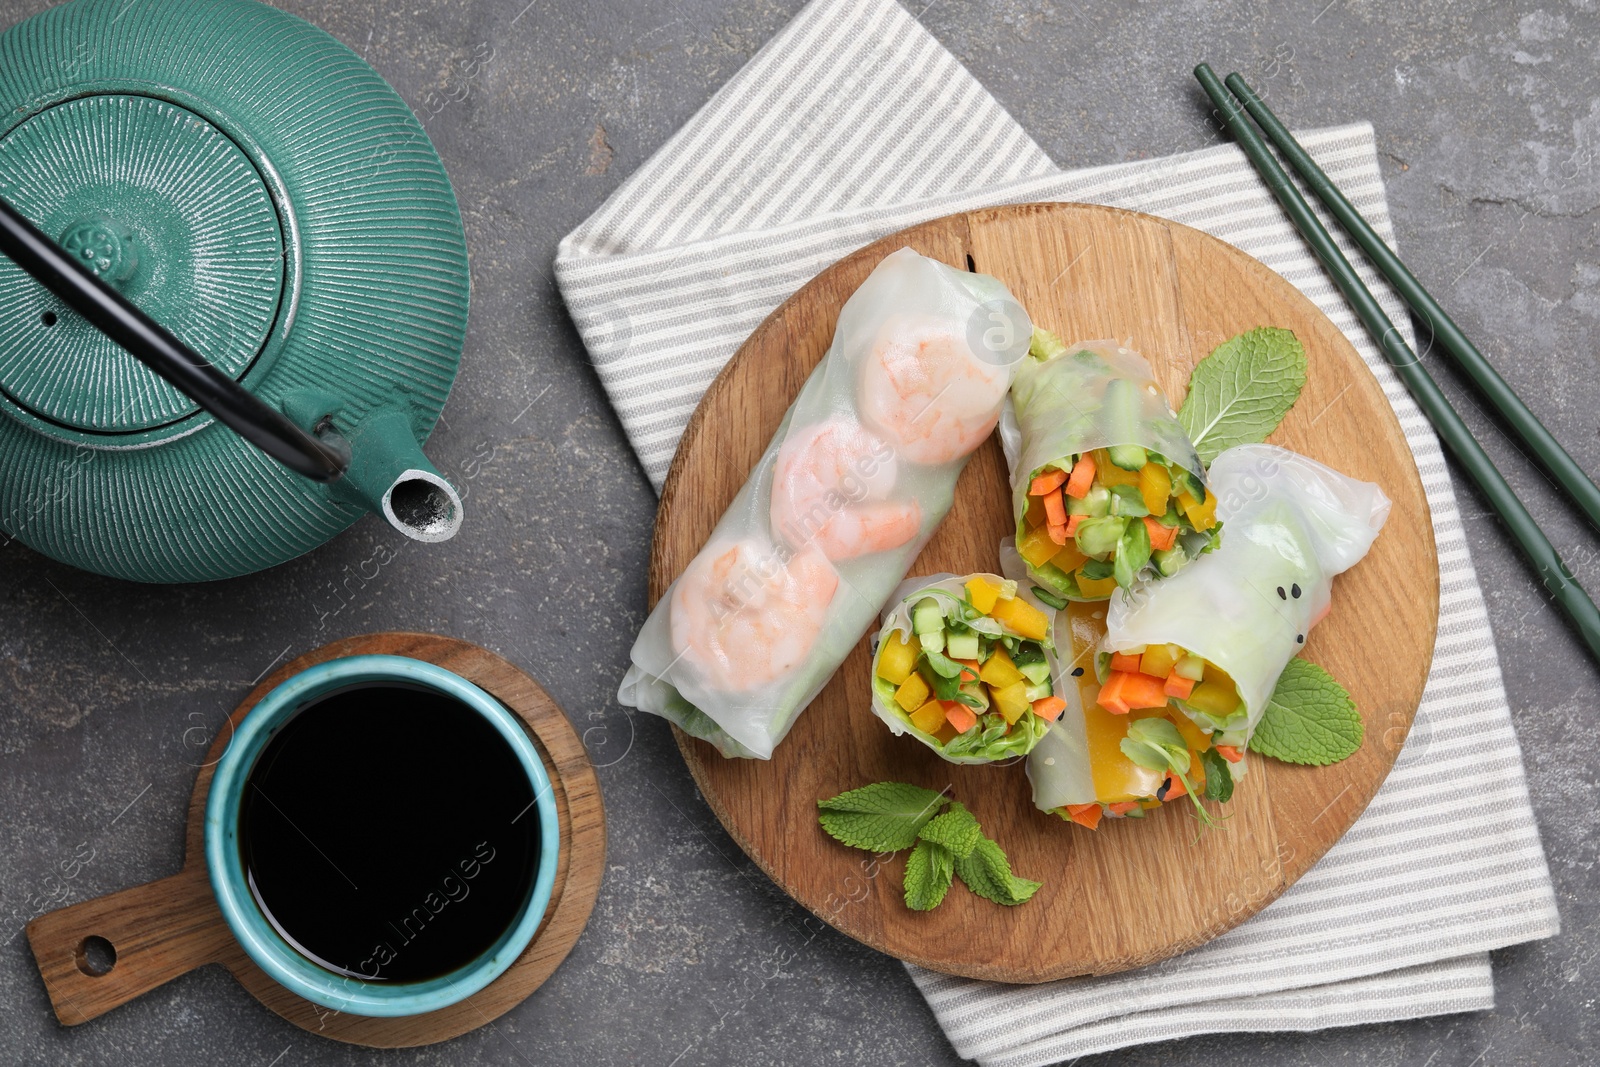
(1106,487)
(858,475)
(963,665)
(1202,650)
(1214,639)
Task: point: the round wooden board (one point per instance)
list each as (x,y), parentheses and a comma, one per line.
(1134,892)
(166,928)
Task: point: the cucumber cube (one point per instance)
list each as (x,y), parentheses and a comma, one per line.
(961,646)
(926,617)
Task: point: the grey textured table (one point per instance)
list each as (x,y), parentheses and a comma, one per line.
(1488,119)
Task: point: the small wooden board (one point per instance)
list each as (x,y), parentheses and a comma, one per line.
(1134,892)
(170,927)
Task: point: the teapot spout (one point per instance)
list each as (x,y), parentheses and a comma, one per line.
(389,474)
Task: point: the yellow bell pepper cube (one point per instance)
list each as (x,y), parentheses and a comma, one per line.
(1158,660)
(1067,557)
(1022,617)
(1095,586)
(1155,486)
(999,671)
(1036,547)
(1201,516)
(912,694)
(929,717)
(1109,474)
(983,593)
(1011,700)
(1214,698)
(1034,515)
(898,657)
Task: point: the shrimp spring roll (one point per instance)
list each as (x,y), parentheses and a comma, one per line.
(1106,487)
(963,665)
(861,470)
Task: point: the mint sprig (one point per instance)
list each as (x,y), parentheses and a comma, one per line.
(1310,718)
(945,844)
(1240,392)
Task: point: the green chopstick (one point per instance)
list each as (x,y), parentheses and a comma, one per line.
(1523,422)
(1553,573)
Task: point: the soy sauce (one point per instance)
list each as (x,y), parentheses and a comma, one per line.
(388,833)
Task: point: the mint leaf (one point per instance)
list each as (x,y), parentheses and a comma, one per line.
(1240,392)
(1310,718)
(957,830)
(987,872)
(883,817)
(929,870)
(1219,779)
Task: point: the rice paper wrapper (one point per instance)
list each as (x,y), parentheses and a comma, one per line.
(852,485)
(1290,525)
(1095,394)
(950,591)
(1058,768)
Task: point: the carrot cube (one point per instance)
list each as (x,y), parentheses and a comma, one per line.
(1058,534)
(1055,510)
(1123,661)
(959,716)
(1047,483)
(1111,697)
(1143,691)
(1085,814)
(1049,708)
(1179,686)
(1082,479)
(1161,537)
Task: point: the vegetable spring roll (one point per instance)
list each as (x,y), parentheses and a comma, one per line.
(851,486)
(1106,487)
(962,664)
(1214,639)
(1172,678)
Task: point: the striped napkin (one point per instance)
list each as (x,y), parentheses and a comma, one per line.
(852,123)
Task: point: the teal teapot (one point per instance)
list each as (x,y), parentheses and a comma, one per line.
(233,295)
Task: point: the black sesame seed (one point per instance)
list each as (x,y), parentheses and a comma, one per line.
(1280,593)
(1295,590)
(1077,672)
(1300,639)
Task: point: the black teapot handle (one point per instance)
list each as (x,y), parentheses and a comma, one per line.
(190,373)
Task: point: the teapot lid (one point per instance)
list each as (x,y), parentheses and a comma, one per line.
(165,207)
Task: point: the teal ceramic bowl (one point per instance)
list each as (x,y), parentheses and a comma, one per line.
(256,934)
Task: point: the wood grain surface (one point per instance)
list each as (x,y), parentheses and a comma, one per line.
(169,927)
(1136,891)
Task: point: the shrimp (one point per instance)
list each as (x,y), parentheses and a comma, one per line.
(746,613)
(831,486)
(922,387)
